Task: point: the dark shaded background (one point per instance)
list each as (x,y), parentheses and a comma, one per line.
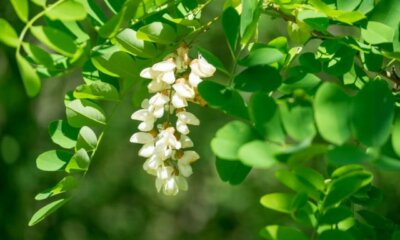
(118,199)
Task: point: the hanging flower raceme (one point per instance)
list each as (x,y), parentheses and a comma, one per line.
(174,83)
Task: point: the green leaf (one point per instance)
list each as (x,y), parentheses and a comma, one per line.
(40,3)
(233,172)
(87,139)
(332,113)
(128,39)
(396,135)
(21,7)
(258,78)
(376,220)
(63,134)
(250,14)
(46,211)
(81,112)
(347,154)
(347,5)
(339,15)
(299,80)
(94,11)
(8,35)
(54,160)
(373,112)
(387,12)
(377,33)
(335,215)
(310,63)
(298,120)
(157,32)
(39,55)
(55,39)
(218,96)
(29,76)
(302,180)
(373,62)
(281,202)
(344,186)
(79,162)
(230,138)
(68,10)
(115,63)
(315,20)
(341,62)
(261,56)
(66,184)
(264,113)
(335,234)
(275,232)
(231,26)
(97,91)
(258,154)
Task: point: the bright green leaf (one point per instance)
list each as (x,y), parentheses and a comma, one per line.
(377,33)
(261,56)
(347,154)
(55,39)
(29,76)
(97,91)
(298,121)
(79,162)
(21,7)
(157,32)
(281,202)
(332,107)
(315,20)
(81,112)
(53,160)
(347,5)
(66,184)
(46,211)
(128,39)
(258,154)
(230,138)
(8,35)
(63,134)
(68,10)
(87,139)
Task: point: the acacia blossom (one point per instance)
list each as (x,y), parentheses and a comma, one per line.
(174,83)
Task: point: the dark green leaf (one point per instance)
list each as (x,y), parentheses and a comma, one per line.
(347,154)
(230,138)
(53,160)
(335,235)
(66,184)
(275,232)
(46,211)
(8,35)
(332,113)
(335,215)
(264,113)
(63,134)
(373,111)
(231,26)
(233,172)
(258,78)
(309,62)
(387,12)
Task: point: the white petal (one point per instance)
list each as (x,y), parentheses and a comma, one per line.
(146,126)
(142,138)
(194,79)
(185,169)
(168,77)
(206,69)
(159,184)
(158,112)
(147,150)
(140,115)
(184,90)
(189,157)
(164,66)
(156,86)
(151,165)
(182,183)
(159,99)
(178,101)
(188,118)
(164,172)
(170,187)
(146,73)
(186,141)
(182,127)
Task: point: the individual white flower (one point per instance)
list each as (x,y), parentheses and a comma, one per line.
(146,117)
(144,138)
(178,101)
(152,164)
(200,69)
(161,73)
(171,187)
(186,142)
(184,119)
(184,162)
(157,104)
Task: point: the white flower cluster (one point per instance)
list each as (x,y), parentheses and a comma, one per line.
(174,82)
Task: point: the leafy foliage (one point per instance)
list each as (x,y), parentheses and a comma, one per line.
(326,93)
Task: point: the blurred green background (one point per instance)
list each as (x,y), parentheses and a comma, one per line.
(118,200)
